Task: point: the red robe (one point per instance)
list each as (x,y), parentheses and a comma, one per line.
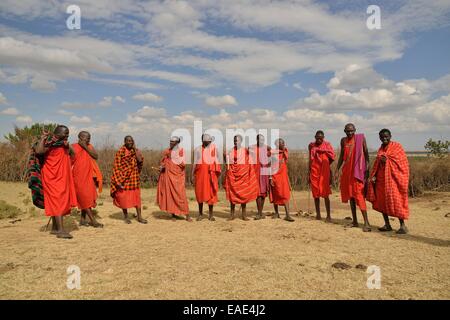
(349,185)
(57,182)
(240,181)
(206,172)
(321,156)
(171,191)
(83,178)
(280,192)
(389,192)
(260,157)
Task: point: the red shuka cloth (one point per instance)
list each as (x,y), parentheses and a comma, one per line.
(57,182)
(321,156)
(280,192)
(240,181)
(171,191)
(206,171)
(83,178)
(389,193)
(349,185)
(260,157)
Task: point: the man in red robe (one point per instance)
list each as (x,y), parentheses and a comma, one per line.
(280,192)
(260,158)
(126,181)
(240,180)
(354,159)
(321,155)
(57,180)
(83,177)
(205,176)
(388,188)
(171,191)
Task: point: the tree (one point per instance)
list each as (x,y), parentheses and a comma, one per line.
(437,148)
(24,137)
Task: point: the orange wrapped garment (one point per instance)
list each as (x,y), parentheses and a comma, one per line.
(319,177)
(57,182)
(206,172)
(280,192)
(350,186)
(83,178)
(171,191)
(240,181)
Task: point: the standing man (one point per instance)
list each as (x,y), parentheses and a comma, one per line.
(354,159)
(171,191)
(83,177)
(205,176)
(388,188)
(280,193)
(126,181)
(57,180)
(260,156)
(240,180)
(321,155)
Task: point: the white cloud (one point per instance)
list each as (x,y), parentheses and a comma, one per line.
(221,101)
(83,119)
(150,97)
(120,99)
(104,103)
(2,98)
(64,112)
(10,112)
(24,119)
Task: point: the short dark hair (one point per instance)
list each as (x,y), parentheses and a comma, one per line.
(83,132)
(385,131)
(320,132)
(59,128)
(127,137)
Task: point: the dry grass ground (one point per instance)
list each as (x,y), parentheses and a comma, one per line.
(224,260)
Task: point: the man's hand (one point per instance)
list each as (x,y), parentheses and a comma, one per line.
(193,180)
(336,175)
(120,187)
(162,168)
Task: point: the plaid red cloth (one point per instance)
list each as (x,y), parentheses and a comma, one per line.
(126,170)
(389,192)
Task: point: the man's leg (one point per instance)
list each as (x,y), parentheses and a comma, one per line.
(366,226)
(277,214)
(387,224)
(317,204)
(403,229)
(244,211)
(139,215)
(210,212)
(91,216)
(200,211)
(354,216)
(232,208)
(125,216)
(83,221)
(328,208)
(54,226)
(288,216)
(61,233)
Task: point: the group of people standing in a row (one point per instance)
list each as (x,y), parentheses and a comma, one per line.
(62,176)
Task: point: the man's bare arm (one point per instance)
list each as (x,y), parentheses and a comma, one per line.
(341,155)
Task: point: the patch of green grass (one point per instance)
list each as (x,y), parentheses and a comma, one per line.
(8,211)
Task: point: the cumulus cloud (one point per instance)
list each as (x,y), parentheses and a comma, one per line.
(2,98)
(10,112)
(221,101)
(83,119)
(24,119)
(150,97)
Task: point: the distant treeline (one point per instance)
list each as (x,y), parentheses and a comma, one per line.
(427,173)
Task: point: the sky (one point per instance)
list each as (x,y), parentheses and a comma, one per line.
(149,68)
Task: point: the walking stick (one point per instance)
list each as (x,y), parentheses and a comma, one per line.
(46,227)
(293,198)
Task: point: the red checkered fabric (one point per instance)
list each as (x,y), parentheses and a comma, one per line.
(126,170)
(389,192)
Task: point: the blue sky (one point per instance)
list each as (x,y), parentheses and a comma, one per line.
(147,68)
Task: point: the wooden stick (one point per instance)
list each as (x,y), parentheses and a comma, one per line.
(293,198)
(46,227)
